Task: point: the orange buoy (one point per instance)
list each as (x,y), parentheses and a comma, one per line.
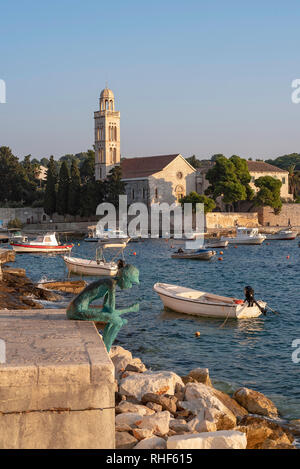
(134,253)
(287,257)
(220,258)
(197,334)
(221,252)
(235,247)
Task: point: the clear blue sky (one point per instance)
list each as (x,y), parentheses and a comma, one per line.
(198,77)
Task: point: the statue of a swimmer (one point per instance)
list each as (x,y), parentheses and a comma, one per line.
(80,309)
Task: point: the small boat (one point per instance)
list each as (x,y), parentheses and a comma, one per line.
(200,303)
(108,235)
(286,234)
(218,243)
(98,266)
(18,237)
(43,244)
(197,254)
(245,236)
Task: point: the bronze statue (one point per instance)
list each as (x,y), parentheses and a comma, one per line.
(80,309)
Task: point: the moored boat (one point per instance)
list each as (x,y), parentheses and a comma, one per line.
(98,266)
(218,243)
(95,235)
(245,236)
(199,254)
(201,303)
(283,235)
(42,244)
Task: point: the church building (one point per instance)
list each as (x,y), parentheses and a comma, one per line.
(149,179)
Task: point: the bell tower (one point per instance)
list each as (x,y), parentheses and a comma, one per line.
(107,135)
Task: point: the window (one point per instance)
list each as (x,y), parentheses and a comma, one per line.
(132,194)
(283,180)
(179,193)
(156,193)
(115,155)
(144,193)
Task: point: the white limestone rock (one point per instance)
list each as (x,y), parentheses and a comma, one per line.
(142,433)
(120,358)
(159,382)
(158,423)
(227,439)
(151,443)
(128,418)
(126,406)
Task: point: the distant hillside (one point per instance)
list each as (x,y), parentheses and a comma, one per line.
(285,161)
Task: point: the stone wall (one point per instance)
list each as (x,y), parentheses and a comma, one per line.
(56,383)
(290,213)
(221,220)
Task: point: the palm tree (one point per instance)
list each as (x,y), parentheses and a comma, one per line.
(292,180)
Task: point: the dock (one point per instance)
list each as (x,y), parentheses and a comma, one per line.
(56,383)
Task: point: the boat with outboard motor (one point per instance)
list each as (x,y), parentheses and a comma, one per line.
(200,303)
(283,235)
(196,254)
(98,266)
(245,235)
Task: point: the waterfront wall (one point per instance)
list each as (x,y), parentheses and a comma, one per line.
(221,220)
(290,213)
(56,383)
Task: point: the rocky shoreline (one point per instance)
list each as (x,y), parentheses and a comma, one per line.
(161,410)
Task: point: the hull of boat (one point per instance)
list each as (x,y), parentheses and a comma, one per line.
(186,301)
(246,241)
(197,256)
(92,268)
(216,244)
(22,248)
(107,240)
(282,238)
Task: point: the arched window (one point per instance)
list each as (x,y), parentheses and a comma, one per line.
(115,133)
(98,133)
(115,155)
(106,104)
(156,193)
(111,105)
(179,193)
(110,156)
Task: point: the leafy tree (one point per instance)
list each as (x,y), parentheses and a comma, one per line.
(195,198)
(292,180)
(74,190)
(192,160)
(15,185)
(114,185)
(87,169)
(63,190)
(285,161)
(50,192)
(269,192)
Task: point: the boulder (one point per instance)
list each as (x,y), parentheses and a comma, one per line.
(152,443)
(271,444)
(142,433)
(125,441)
(153,406)
(120,358)
(136,365)
(258,430)
(256,402)
(123,428)
(228,439)
(199,397)
(166,401)
(179,426)
(157,423)
(126,406)
(230,403)
(201,375)
(158,382)
(129,418)
(200,424)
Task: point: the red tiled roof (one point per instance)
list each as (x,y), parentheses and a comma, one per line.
(261,166)
(144,166)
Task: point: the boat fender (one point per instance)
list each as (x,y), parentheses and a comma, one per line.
(238,302)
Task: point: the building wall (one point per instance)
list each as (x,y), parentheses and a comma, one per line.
(137,191)
(290,213)
(221,220)
(168,182)
(282,176)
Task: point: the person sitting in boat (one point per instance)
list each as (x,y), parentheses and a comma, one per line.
(80,309)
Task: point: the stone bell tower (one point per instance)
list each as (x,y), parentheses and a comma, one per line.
(107,135)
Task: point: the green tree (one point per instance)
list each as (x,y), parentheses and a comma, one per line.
(192,160)
(195,198)
(114,185)
(74,190)
(87,168)
(15,185)
(63,190)
(269,192)
(50,192)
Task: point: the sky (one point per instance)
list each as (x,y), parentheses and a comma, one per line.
(190,77)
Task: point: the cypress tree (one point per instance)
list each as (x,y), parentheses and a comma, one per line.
(63,189)
(50,192)
(74,190)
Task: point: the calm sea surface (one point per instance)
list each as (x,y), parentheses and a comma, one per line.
(256,353)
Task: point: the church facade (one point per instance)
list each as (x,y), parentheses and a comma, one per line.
(150,179)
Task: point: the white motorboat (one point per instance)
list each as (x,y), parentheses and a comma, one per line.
(218,243)
(95,235)
(98,266)
(200,303)
(42,244)
(286,234)
(197,254)
(18,237)
(245,236)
